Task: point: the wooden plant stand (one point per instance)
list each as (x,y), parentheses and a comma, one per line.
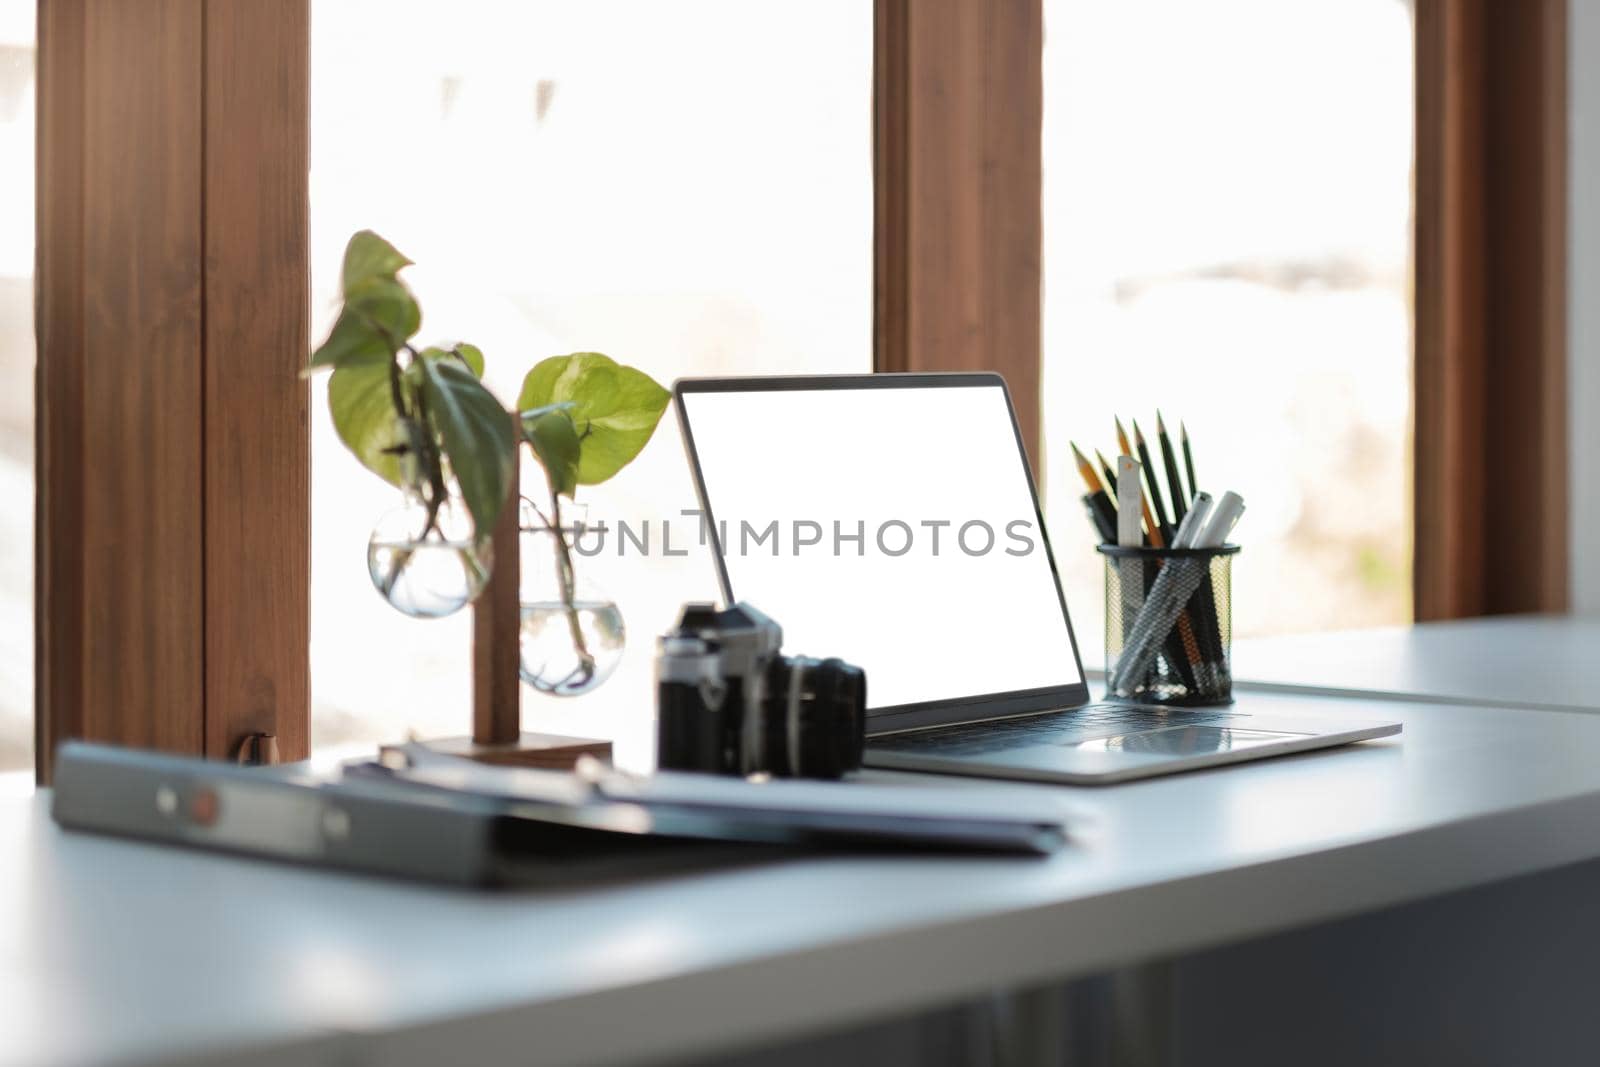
(497,735)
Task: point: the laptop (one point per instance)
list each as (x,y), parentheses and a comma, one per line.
(891,520)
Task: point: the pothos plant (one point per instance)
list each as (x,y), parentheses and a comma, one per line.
(422,419)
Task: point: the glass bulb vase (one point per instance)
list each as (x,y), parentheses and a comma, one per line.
(571,635)
(427,566)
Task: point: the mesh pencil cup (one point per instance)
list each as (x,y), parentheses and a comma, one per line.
(1169,625)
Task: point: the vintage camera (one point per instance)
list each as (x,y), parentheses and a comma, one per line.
(730,703)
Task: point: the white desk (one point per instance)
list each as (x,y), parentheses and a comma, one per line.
(117,952)
(1531,661)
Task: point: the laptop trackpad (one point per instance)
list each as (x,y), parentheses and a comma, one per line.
(1176,742)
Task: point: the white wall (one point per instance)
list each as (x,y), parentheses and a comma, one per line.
(1583,303)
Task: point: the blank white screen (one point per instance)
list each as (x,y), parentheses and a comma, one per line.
(925,621)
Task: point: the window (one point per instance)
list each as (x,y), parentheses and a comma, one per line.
(685,187)
(16,385)
(1226,237)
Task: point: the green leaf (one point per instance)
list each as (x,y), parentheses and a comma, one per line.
(375,322)
(615,408)
(352,340)
(369,256)
(477,435)
(364,416)
(388,307)
(467,355)
(379,313)
(472,355)
(554,439)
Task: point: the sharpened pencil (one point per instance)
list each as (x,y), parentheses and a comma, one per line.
(1152,481)
(1111,475)
(1102,509)
(1170,462)
(1086,470)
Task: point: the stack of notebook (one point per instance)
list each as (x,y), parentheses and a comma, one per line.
(414,813)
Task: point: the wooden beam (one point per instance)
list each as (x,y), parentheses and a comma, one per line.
(121,655)
(1490,291)
(1527,257)
(257,441)
(171,427)
(958,103)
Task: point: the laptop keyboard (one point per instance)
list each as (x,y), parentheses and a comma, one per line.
(1065,727)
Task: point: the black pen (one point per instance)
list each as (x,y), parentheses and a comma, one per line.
(1102,516)
(1153,481)
(1170,462)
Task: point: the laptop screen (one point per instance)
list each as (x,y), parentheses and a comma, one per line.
(894,527)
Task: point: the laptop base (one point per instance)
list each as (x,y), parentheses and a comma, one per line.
(1103,750)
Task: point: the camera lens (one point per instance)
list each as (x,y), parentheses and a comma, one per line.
(839,704)
(814,717)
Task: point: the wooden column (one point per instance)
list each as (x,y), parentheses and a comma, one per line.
(1490,285)
(172,450)
(958,101)
(257,438)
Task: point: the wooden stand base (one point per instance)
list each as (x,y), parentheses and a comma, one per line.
(545,751)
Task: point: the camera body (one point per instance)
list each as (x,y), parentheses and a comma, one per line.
(729,702)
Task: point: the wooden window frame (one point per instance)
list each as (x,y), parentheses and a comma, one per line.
(1490,417)
(173,449)
(957,109)
(172,277)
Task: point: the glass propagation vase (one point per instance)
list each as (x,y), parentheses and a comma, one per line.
(427,569)
(572,635)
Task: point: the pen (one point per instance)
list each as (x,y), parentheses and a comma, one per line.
(1152,480)
(1170,462)
(1220,523)
(1130,572)
(1192,522)
(1182,649)
(1104,523)
(1193,634)
(1202,605)
(1224,514)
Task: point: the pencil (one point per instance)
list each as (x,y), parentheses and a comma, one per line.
(1152,480)
(1170,462)
(1102,511)
(1188,460)
(1111,475)
(1086,469)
